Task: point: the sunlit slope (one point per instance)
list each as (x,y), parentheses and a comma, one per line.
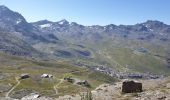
(11,67)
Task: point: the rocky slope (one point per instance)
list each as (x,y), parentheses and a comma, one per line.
(15,23)
(11,44)
(152,90)
(150,30)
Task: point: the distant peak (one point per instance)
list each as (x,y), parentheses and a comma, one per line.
(111,25)
(74,23)
(154,22)
(45,21)
(2,7)
(41,22)
(63,21)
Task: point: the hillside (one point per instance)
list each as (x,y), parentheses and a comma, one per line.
(12,67)
(11,44)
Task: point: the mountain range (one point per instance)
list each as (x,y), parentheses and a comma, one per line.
(143,47)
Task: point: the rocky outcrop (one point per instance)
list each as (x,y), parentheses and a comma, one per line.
(131,87)
(34,96)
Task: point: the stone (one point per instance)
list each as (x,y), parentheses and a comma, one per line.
(131,87)
(168,86)
(34,96)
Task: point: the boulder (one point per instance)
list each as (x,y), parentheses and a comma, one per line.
(131,87)
(31,97)
(168,85)
(34,96)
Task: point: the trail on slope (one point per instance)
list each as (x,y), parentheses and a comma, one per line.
(56,86)
(7,94)
(61,81)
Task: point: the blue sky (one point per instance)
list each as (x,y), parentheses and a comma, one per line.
(92,12)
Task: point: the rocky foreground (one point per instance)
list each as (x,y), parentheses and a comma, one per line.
(158,89)
(152,90)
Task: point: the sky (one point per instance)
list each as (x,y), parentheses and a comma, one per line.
(92,12)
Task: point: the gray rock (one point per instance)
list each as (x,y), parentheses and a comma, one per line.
(21,93)
(4,87)
(34,96)
(131,86)
(3,98)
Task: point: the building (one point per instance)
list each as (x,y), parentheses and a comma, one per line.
(69,79)
(24,76)
(84,83)
(46,76)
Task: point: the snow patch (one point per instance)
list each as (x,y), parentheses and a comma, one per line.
(161,33)
(146,26)
(45,25)
(111,28)
(105,27)
(18,21)
(151,29)
(62,22)
(90,27)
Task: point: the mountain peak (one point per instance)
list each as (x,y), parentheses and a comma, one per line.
(10,17)
(47,21)
(63,21)
(42,22)
(2,7)
(154,24)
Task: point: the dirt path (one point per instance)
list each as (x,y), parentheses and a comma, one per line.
(61,80)
(56,86)
(7,94)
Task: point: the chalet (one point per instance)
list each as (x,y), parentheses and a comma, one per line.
(24,76)
(69,79)
(84,83)
(46,76)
